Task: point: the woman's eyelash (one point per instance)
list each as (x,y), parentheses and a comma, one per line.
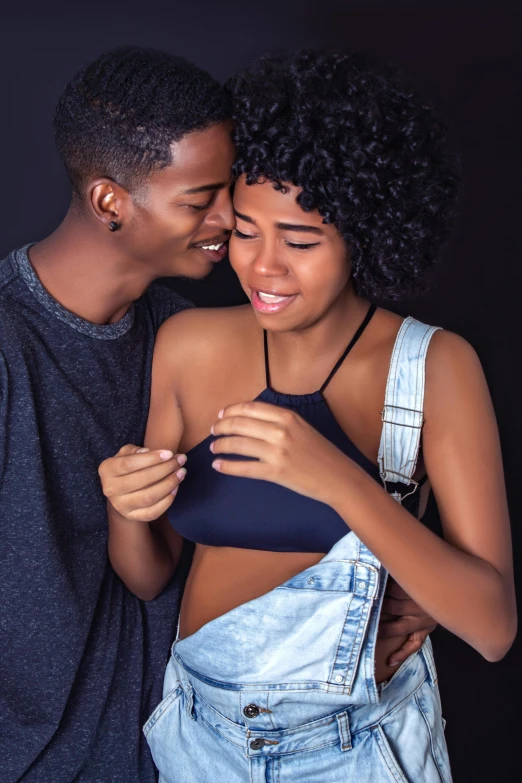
(302,246)
(293,245)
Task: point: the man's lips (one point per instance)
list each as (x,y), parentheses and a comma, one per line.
(265,302)
(212,250)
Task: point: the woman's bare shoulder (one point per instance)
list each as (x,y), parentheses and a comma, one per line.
(200,332)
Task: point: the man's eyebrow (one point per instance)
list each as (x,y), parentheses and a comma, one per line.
(284,226)
(205,188)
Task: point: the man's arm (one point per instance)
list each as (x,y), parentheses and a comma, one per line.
(401,615)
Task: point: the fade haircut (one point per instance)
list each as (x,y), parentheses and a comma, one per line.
(119,115)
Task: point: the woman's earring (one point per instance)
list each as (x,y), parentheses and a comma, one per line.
(113,225)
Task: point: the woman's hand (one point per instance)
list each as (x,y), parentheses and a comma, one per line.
(290,452)
(140,484)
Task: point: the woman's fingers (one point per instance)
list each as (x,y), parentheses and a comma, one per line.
(151,513)
(255,410)
(242,446)
(139,504)
(128,473)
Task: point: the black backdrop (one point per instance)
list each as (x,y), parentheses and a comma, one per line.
(467,57)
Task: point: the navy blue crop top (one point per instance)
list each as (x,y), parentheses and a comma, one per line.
(218,510)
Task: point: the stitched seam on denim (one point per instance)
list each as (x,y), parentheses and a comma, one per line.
(215,731)
(418,402)
(282,733)
(161,709)
(388,756)
(359,642)
(371,726)
(387,432)
(430,734)
(392,431)
(330,676)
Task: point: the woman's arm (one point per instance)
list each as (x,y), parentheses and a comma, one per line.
(141,484)
(464,581)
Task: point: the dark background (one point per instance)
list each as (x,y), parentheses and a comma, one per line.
(467,56)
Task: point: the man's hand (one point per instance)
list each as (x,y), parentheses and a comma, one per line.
(400,616)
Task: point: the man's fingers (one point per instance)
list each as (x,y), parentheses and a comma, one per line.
(399,606)
(412,645)
(406,625)
(393,590)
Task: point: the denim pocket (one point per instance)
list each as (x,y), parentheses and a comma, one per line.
(388,756)
(411,739)
(162,709)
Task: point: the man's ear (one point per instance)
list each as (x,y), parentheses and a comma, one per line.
(110,202)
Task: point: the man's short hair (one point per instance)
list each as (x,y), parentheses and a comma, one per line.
(119,115)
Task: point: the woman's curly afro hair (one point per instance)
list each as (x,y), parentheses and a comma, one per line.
(367,150)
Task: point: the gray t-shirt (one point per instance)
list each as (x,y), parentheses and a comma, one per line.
(81,658)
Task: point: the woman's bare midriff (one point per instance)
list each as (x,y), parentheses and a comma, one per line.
(222,578)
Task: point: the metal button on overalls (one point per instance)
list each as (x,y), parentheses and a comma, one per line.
(257,744)
(251,711)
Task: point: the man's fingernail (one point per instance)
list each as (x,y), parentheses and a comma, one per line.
(393,662)
(142,451)
(164,455)
(174,491)
(181,473)
(216,464)
(182,458)
(220,414)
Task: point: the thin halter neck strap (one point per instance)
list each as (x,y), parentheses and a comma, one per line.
(367,318)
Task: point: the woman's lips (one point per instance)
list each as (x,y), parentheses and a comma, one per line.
(270,303)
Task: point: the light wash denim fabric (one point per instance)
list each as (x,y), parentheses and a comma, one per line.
(282,689)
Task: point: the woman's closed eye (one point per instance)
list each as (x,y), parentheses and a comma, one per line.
(293,245)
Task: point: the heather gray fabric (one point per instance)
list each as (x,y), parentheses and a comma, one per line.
(81,659)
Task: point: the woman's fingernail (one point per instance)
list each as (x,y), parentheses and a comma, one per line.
(174,491)
(164,455)
(211,447)
(220,414)
(142,451)
(182,458)
(181,473)
(216,464)
(212,430)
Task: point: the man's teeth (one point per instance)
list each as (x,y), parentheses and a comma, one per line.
(213,247)
(270,298)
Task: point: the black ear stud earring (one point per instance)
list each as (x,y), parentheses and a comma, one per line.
(113,225)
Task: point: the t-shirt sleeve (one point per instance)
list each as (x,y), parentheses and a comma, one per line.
(164,302)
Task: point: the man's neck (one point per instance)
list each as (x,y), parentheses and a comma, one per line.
(85,274)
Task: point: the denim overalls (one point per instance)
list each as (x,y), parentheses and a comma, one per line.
(282,688)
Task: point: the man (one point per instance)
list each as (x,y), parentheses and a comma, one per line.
(146,141)
(145,138)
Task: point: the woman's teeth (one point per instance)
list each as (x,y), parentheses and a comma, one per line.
(213,247)
(270,298)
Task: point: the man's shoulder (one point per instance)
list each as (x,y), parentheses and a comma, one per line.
(163,302)
(8,273)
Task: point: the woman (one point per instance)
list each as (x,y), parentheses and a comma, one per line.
(345,190)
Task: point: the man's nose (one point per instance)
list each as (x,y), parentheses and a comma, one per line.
(223,213)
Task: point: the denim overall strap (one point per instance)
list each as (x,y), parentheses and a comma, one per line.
(402,414)
(403,417)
